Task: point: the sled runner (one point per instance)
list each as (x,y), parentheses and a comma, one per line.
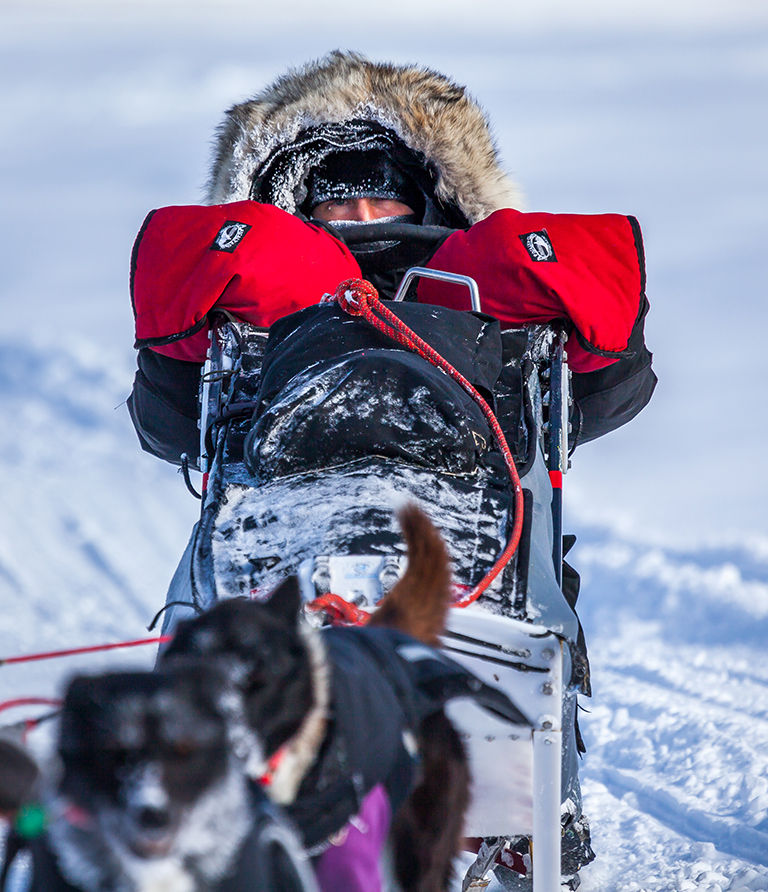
(313,431)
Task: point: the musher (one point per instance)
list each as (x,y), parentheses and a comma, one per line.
(343,144)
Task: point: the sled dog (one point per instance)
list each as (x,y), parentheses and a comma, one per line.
(342,710)
(152,794)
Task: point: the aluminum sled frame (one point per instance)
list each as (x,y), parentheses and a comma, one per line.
(516,770)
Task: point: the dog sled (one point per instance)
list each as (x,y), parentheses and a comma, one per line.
(313,432)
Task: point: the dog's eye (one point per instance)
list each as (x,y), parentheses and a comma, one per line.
(279,661)
(259,663)
(281,664)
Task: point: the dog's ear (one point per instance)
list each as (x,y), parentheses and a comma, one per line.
(285,600)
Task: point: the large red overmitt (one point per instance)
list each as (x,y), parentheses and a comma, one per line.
(260,263)
(253,260)
(589,269)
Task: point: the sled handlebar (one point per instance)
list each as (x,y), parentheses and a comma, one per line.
(413,232)
(420,272)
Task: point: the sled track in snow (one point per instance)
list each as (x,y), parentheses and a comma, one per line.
(678,724)
(91,528)
(728,837)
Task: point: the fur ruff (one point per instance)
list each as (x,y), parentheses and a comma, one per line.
(431,115)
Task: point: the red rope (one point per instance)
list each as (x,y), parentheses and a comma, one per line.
(93,648)
(339,611)
(359,298)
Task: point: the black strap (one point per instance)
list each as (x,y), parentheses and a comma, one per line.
(231,412)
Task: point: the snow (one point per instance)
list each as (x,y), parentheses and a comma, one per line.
(652,108)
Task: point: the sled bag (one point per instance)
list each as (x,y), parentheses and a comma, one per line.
(253,260)
(335,390)
(589,269)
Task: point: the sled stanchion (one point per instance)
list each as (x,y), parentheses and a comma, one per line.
(205,385)
(557,460)
(556,479)
(547,749)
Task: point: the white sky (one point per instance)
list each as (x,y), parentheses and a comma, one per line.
(543,15)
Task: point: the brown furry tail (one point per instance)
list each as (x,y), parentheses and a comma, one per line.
(419,601)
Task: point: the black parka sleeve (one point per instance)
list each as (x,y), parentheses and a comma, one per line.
(163,406)
(610,397)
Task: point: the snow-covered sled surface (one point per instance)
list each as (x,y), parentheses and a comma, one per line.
(675,777)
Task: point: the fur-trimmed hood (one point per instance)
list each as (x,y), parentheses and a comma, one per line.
(433,117)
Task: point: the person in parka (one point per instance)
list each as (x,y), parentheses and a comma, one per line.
(345,128)
(300,172)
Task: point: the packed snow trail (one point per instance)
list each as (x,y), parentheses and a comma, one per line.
(675,773)
(89,526)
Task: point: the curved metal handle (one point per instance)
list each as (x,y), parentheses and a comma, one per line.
(416,272)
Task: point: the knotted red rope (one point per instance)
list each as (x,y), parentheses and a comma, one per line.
(359,298)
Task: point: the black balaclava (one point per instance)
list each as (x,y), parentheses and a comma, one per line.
(327,160)
(371,173)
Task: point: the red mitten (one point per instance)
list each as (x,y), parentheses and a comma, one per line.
(254,260)
(540,267)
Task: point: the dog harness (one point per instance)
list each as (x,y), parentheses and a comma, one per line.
(383,685)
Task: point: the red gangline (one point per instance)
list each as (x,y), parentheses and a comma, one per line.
(93,648)
(29,701)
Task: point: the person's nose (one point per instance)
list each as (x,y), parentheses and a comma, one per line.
(365,210)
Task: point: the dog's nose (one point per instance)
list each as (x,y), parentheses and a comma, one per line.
(152,818)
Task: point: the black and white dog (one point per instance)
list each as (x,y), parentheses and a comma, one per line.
(153,796)
(344,711)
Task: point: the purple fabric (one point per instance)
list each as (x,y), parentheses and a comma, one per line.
(351,862)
